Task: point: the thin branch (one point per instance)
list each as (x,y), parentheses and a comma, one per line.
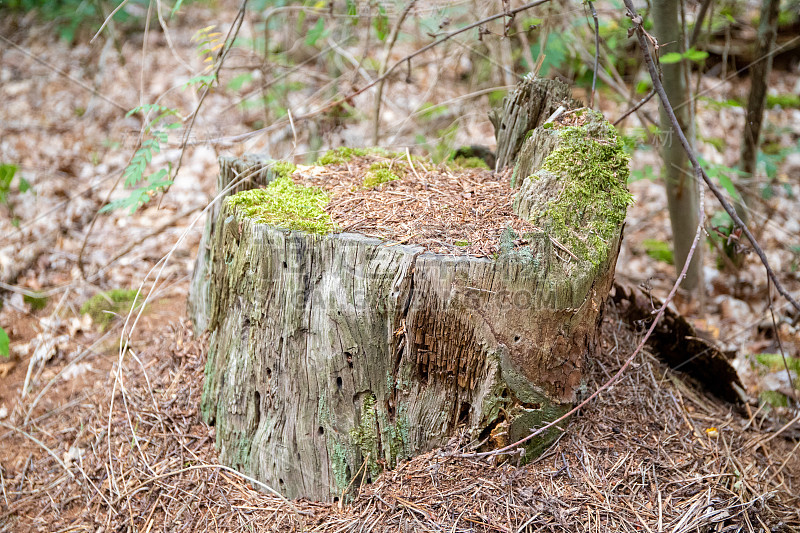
(386,54)
(596,51)
(699,172)
(233,32)
(698,23)
(636,107)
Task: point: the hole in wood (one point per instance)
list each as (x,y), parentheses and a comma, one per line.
(257,398)
(339,382)
(321,430)
(463,413)
(269,372)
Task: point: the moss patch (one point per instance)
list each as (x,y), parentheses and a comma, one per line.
(468,162)
(594,165)
(104,307)
(383,172)
(341,155)
(659,250)
(283,169)
(365,435)
(286,205)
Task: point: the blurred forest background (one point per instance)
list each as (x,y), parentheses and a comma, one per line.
(113,117)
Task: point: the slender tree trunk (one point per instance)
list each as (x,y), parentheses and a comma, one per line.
(759,79)
(682,189)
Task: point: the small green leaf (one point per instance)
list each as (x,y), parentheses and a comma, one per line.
(695,55)
(317,31)
(658,250)
(202,81)
(176,8)
(4,343)
(672,57)
(24,185)
(239,81)
(381,23)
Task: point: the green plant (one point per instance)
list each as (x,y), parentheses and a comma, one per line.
(146,187)
(698,56)
(104,307)
(159,120)
(4,343)
(659,250)
(7,173)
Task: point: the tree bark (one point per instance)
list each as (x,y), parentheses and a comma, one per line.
(334,357)
(682,190)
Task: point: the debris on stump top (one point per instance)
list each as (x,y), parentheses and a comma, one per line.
(456,208)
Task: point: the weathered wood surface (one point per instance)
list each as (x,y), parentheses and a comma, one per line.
(235,175)
(333,357)
(524,109)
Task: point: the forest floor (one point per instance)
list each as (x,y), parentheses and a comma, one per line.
(92,439)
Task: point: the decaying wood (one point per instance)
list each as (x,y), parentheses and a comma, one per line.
(532,102)
(236,174)
(333,357)
(676,342)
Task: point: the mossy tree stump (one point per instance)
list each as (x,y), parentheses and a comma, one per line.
(336,355)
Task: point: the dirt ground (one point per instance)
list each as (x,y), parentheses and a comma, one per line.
(96,438)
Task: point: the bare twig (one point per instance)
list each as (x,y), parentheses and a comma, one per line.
(386,55)
(221,55)
(636,107)
(596,50)
(698,22)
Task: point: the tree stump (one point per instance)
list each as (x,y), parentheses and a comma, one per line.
(334,355)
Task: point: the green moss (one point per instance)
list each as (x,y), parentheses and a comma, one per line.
(341,155)
(365,435)
(383,172)
(341,471)
(659,250)
(594,165)
(103,307)
(283,169)
(775,362)
(468,162)
(286,205)
(37,303)
(773,398)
